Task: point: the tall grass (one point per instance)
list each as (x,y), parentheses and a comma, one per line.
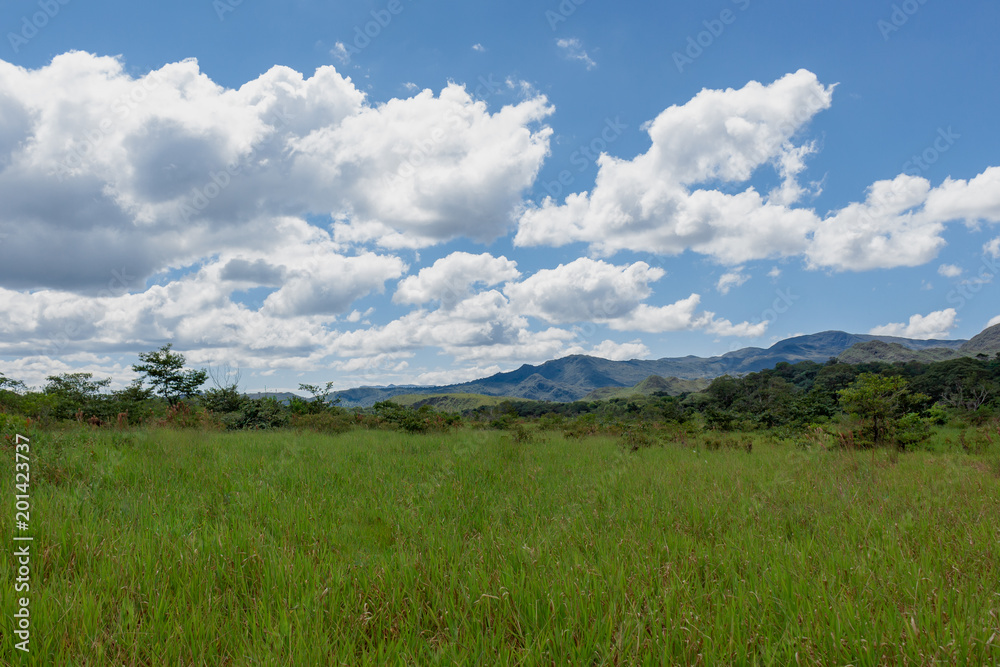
(168,547)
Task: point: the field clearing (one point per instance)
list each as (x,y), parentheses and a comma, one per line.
(169,547)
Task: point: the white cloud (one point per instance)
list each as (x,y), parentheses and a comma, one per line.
(741,330)
(975,200)
(327,284)
(995,321)
(340,52)
(950,270)
(456,375)
(573,50)
(479,48)
(774,273)
(620,351)
(731,279)
(667,199)
(358,316)
(922,327)
(651,203)
(101,170)
(450,278)
(584,290)
(883,232)
(992,248)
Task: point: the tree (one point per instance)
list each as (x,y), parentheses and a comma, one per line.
(320,401)
(879,402)
(75,392)
(164,370)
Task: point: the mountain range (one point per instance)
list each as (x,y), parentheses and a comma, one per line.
(575,377)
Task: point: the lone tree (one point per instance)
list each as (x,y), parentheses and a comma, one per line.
(164,370)
(880,402)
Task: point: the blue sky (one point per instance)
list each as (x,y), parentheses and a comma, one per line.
(403,191)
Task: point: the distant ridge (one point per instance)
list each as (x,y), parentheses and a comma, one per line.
(987,342)
(574,377)
(877,350)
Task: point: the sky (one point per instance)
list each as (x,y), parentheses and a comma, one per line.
(418,192)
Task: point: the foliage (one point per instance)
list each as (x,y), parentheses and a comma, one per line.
(320,401)
(164,370)
(879,402)
(76,395)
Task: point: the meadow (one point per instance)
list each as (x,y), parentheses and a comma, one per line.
(187,547)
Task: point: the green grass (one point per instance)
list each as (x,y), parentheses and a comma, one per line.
(190,548)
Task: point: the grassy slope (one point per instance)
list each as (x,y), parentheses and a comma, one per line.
(166,547)
(651,385)
(450,402)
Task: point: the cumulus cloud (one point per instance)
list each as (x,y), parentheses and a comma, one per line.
(584,290)
(573,50)
(652,202)
(449,279)
(588,290)
(100,169)
(619,351)
(922,327)
(993,322)
(478,48)
(668,199)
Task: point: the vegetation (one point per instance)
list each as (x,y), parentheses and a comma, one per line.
(166,546)
(165,372)
(810,513)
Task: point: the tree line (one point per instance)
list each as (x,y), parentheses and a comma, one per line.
(884,402)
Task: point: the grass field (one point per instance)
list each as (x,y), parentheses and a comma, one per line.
(168,547)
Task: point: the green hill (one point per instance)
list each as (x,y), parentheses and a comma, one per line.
(986,342)
(450,402)
(876,350)
(651,385)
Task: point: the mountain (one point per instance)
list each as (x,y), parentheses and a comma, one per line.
(987,342)
(450,402)
(877,350)
(280,396)
(654,384)
(574,377)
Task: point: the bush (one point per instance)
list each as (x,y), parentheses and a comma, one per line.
(258,414)
(635,436)
(338,421)
(910,430)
